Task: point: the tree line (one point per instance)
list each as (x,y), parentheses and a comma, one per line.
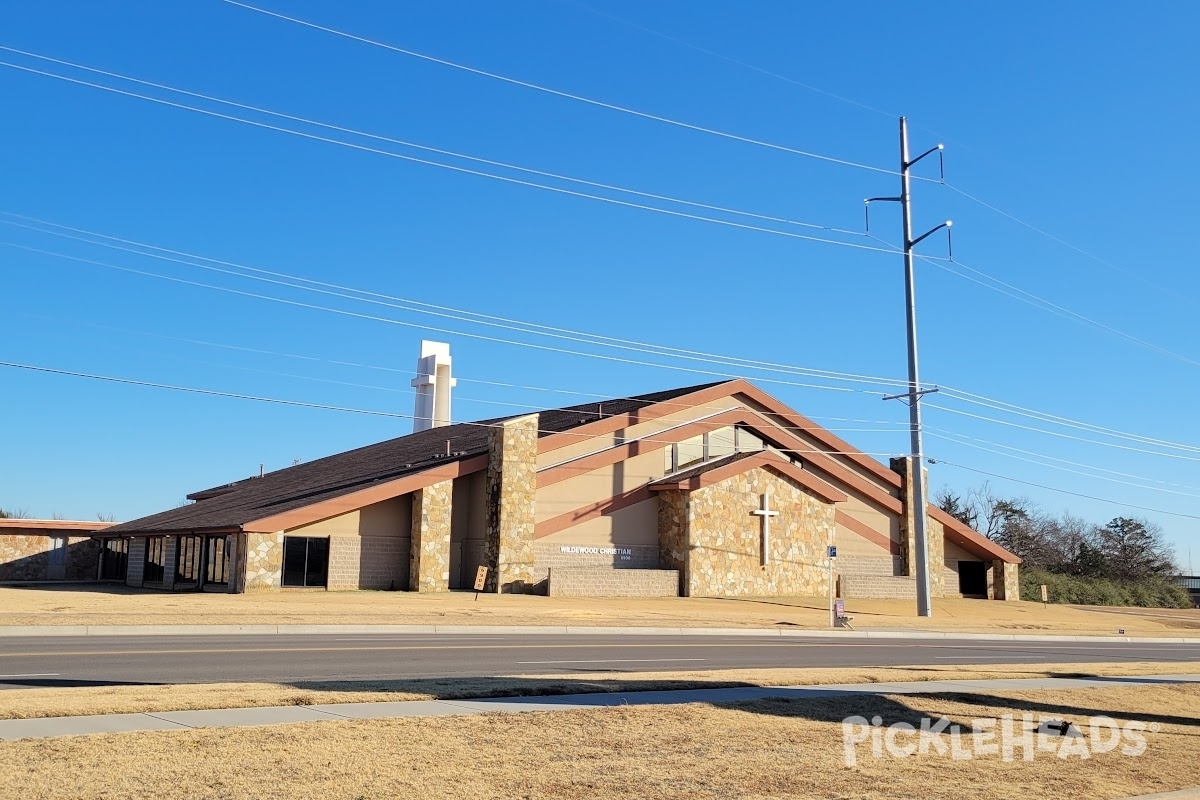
(1126,561)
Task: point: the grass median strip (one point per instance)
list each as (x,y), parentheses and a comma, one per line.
(758,749)
(63,701)
(116,605)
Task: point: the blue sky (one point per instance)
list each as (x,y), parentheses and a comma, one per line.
(1078,125)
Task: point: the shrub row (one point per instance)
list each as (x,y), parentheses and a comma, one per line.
(1079,590)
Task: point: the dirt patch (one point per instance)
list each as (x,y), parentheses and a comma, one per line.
(763,749)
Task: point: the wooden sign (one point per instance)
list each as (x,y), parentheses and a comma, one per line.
(1045,594)
(480,580)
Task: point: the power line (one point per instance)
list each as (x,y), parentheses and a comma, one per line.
(1092,256)
(963,440)
(1063,491)
(461,315)
(352,410)
(1041,416)
(1059,434)
(732,60)
(407,372)
(558,93)
(439,151)
(724,360)
(1055,308)
(392,321)
(428,162)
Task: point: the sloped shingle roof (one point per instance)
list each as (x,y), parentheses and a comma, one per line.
(235,504)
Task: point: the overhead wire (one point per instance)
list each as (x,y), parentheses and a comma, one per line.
(558,93)
(414,306)
(409,373)
(963,440)
(427,148)
(428,162)
(353,410)
(1108,500)
(393,321)
(724,360)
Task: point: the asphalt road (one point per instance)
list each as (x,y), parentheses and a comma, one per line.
(105,660)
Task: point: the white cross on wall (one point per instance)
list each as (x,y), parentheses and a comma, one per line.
(766,513)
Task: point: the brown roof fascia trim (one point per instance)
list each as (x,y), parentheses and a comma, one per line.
(54,524)
(365,497)
(652,412)
(972,539)
(870,534)
(594,461)
(766,460)
(752,419)
(173,532)
(822,435)
(580,515)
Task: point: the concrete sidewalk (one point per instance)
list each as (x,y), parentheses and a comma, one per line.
(278,715)
(261,630)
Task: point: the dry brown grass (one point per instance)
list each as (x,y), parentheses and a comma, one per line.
(77,701)
(119,606)
(764,749)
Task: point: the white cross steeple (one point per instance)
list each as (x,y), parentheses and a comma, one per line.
(766,513)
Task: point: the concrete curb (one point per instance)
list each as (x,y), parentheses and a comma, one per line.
(227,630)
(1182,794)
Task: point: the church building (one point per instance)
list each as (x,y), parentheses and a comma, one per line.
(717,490)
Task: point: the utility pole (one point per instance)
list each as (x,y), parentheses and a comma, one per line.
(916,473)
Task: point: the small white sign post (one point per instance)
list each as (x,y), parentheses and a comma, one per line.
(765,513)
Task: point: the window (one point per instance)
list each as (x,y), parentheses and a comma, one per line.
(156,559)
(305,561)
(216,560)
(188,552)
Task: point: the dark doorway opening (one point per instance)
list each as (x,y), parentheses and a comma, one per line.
(155,567)
(114,559)
(972,578)
(305,561)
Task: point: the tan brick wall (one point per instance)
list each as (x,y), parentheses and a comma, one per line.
(368,562)
(724,539)
(511,503)
(137,561)
(877,587)
(608,582)
(429,562)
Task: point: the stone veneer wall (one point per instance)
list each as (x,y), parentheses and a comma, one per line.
(724,539)
(674,532)
(367,562)
(26,556)
(429,563)
(1005,581)
(609,582)
(264,561)
(511,504)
